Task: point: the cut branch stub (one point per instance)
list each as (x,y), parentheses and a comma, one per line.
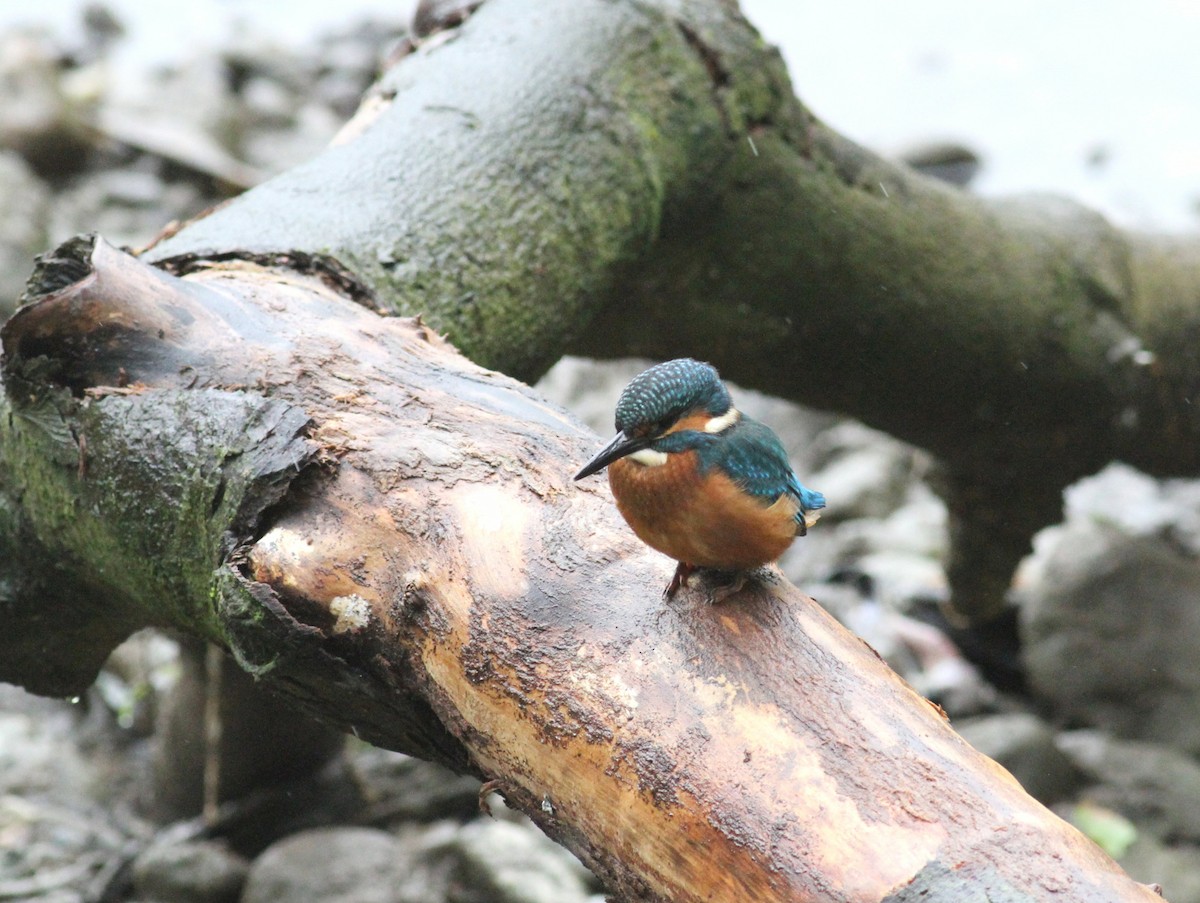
(422,569)
(141,462)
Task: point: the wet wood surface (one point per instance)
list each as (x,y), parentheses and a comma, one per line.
(397,544)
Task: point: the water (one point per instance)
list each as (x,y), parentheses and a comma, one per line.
(1097,101)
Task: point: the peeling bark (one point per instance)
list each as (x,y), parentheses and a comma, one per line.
(389,535)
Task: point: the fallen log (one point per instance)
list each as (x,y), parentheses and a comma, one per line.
(389,535)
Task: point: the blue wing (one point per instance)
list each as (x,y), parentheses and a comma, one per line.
(754,458)
(809,499)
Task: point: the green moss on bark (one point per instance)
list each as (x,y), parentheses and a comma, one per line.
(153,488)
(508,231)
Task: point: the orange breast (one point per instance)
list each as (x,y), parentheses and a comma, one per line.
(707,522)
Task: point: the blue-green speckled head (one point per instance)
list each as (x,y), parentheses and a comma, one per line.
(658,397)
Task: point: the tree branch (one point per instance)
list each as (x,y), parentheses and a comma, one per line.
(638,179)
(389,535)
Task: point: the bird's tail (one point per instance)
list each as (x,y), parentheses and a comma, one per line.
(810,500)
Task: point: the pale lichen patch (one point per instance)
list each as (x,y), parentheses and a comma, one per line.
(352,612)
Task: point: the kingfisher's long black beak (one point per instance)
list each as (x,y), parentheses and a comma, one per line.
(620,446)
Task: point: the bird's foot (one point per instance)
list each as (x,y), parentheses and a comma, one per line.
(683,573)
(719,592)
(486,789)
(720,585)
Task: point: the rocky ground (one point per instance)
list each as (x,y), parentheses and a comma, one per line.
(1103,724)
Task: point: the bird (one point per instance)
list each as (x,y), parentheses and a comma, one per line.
(697,479)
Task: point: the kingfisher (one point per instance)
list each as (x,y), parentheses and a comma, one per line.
(698,480)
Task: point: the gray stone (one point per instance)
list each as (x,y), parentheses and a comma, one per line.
(1024,744)
(956,685)
(1139,505)
(590,388)
(495,861)
(332,865)
(24,217)
(127,206)
(1110,626)
(1175,868)
(1156,787)
(193,872)
(276,148)
(433,851)
(40,117)
(350,61)
(38,755)
(902,553)
(949,161)
(137,674)
(868,472)
(404,789)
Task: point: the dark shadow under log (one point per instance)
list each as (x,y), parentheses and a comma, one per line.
(389,535)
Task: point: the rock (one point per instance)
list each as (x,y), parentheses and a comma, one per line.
(1110,627)
(956,685)
(1139,505)
(277,149)
(195,872)
(432,850)
(332,865)
(992,646)
(24,220)
(66,801)
(37,757)
(1156,787)
(590,388)
(901,553)
(1025,745)
(1175,868)
(486,861)
(101,30)
(517,864)
(918,649)
(39,117)
(136,675)
(404,789)
(128,205)
(252,754)
(350,61)
(868,472)
(494,861)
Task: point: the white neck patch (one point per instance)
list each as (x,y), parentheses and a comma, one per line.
(726,420)
(648,457)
